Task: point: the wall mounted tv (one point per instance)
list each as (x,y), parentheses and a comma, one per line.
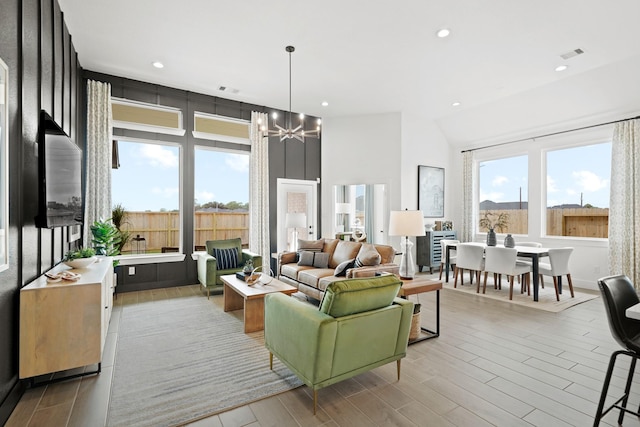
(59,176)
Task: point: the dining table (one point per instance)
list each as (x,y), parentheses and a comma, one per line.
(633,312)
(523,251)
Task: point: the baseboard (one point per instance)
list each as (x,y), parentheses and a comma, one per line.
(11,401)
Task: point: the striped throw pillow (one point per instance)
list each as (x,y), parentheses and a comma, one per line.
(226,258)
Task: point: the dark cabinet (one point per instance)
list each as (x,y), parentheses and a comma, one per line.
(428,251)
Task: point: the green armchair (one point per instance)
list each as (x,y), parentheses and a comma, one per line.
(210,270)
(360,325)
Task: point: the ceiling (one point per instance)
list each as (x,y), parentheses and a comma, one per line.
(378,57)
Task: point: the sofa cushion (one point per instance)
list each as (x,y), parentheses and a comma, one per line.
(367,256)
(311,276)
(341,269)
(291,270)
(352,296)
(344,251)
(226,258)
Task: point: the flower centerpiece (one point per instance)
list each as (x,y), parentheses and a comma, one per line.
(492,221)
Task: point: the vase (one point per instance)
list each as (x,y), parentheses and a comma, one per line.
(491,237)
(509,241)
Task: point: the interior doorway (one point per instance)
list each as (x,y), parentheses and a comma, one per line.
(297,212)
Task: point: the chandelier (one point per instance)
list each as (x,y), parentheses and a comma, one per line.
(289,132)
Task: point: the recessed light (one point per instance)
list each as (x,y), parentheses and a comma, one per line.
(455,104)
(325,103)
(561,67)
(443,32)
(158,64)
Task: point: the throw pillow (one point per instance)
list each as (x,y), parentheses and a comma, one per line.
(306,258)
(226,258)
(341,269)
(367,256)
(321,260)
(310,245)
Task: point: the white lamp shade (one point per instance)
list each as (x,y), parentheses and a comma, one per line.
(343,208)
(296,220)
(406,223)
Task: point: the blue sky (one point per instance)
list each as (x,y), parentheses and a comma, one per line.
(571,174)
(148,177)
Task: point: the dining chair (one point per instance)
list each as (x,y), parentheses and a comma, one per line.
(527,260)
(618,294)
(470,256)
(443,254)
(499,260)
(557,267)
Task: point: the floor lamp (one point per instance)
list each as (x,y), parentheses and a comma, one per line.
(295,221)
(408,224)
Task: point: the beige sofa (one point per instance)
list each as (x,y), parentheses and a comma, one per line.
(314,280)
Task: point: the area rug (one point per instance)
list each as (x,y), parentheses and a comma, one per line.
(546,297)
(184,358)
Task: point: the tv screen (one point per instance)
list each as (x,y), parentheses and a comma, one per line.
(60,176)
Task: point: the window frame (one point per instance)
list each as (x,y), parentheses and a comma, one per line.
(131,259)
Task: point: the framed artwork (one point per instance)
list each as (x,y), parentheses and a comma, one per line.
(431,191)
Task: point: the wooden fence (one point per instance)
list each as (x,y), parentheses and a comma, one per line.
(153,232)
(576,222)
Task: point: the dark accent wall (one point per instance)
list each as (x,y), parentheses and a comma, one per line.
(44,73)
(293,160)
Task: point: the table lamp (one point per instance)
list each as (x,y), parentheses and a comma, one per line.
(408,224)
(295,221)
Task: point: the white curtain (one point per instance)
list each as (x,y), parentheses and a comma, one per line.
(259,189)
(469,198)
(97,201)
(624,206)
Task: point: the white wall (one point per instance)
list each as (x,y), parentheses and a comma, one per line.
(359,150)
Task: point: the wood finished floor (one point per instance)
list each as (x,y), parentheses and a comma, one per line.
(493,364)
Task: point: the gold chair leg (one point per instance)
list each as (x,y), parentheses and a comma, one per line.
(398,367)
(207,293)
(271,361)
(315,401)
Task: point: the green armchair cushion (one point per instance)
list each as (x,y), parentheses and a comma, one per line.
(354,296)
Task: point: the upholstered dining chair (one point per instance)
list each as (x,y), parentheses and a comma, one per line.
(618,294)
(557,267)
(443,254)
(527,260)
(470,256)
(499,261)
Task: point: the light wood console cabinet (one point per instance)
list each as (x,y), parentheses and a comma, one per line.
(64,325)
(428,251)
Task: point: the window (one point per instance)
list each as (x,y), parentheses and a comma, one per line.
(147,187)
(503,195)
(221,205)
(578,191)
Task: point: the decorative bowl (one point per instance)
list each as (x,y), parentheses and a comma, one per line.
(80,262)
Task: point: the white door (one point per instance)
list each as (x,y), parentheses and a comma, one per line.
(296,196)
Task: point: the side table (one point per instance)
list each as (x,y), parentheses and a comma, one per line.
(418,286)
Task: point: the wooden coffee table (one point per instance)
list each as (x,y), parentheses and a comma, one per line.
(239,295)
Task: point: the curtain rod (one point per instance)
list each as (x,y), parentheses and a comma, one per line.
(550,134)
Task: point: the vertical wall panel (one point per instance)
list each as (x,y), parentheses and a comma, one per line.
(66,81)
(28,39)
(58,62)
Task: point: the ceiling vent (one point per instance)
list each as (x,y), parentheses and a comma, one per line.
(228,89)
(572,53)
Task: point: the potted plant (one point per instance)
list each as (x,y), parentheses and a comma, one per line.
(119,217)
(80,258)
(105,238)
